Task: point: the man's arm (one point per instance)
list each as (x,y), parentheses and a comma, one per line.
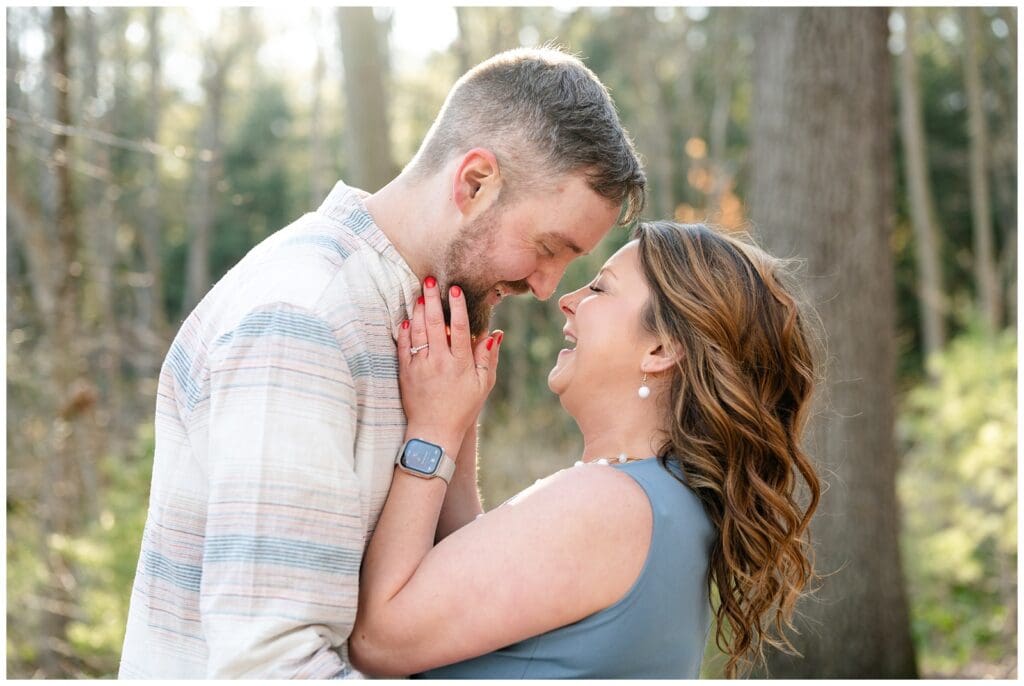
(284,533)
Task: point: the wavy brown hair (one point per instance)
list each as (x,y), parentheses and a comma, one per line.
(738,400)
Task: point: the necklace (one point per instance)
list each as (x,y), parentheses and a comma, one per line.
(621,459)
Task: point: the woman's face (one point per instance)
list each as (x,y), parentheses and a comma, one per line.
(606,343)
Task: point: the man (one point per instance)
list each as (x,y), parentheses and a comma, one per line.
(278,414)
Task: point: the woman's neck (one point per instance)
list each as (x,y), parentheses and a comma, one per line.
(634,431)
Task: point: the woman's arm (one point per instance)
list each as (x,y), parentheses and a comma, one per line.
(567,547)
(462,501)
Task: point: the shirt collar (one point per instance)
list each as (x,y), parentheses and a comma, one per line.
(345,204)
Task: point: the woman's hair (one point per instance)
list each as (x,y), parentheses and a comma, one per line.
(738,399)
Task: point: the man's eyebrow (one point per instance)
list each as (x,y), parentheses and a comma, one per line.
(566,241)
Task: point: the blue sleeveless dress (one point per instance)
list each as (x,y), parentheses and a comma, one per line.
(658,630)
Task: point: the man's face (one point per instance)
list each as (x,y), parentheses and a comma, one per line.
(524,245)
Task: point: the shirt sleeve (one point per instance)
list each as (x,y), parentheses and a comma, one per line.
(284,536)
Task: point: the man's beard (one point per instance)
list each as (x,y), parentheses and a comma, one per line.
(467,263)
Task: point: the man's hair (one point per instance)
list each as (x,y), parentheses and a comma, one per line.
(539,110)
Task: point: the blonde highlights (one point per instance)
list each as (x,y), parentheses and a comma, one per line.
(738,403)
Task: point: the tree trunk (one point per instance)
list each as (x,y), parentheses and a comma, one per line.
(97,283)
(99,214)
(821,170)
(506,22)
(368,126)
(319,181)
(154,315)
(985,274)
(462,47)
(725,50)
(650,119)
(1006,177)
(208,165)
(25,224)
(60,492)
(926,236)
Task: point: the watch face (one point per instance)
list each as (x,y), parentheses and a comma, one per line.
(421,456)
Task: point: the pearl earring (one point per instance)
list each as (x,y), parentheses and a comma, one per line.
(645,390)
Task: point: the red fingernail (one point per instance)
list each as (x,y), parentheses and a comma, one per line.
(420,300)
(499,336)
(430,282)
(405,324)
(456,291)
(490,343)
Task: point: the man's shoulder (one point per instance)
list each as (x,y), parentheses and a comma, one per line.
(295,265)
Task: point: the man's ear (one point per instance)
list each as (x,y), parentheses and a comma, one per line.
(661,357)
(477,181)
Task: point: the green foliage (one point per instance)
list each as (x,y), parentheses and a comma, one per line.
(958,492)
(254,196)
(107,552)
(944,110)
(102,559)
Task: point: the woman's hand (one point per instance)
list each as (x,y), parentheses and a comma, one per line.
(443,384)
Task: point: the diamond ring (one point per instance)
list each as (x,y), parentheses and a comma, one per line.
(413,351)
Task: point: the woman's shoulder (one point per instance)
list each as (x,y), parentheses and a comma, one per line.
(595,491)
(590,509)
(602,518)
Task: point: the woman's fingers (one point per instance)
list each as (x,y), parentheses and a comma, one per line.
(434,315)
(492,370)
(404,336)
(485,356)
(418,328)
(460,335)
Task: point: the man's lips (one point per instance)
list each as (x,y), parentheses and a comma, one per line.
(501,291)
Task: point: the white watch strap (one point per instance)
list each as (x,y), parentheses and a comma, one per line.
(446,469)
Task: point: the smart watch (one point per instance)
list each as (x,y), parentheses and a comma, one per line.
(425,460)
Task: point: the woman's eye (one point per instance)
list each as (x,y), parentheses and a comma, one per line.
(595,289)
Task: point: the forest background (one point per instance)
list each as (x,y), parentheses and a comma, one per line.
(148,149)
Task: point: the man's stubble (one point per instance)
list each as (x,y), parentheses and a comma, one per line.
(467,262)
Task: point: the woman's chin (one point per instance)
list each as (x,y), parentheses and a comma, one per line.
(553,384)
(556,378)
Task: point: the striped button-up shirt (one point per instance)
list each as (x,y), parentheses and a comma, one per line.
(278,418)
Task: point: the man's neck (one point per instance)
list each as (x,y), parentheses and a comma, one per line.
(408,215)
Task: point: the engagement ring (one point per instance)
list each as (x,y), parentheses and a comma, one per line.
(413,351)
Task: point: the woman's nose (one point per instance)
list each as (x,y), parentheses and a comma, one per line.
(566,303)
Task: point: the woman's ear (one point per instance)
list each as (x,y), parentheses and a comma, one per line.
(476,182)
(660,358)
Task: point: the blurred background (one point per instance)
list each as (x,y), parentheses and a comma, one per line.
(149,148)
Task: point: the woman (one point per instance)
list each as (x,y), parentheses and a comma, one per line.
(689,374)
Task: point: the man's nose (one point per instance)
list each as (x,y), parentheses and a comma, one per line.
(543,283)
